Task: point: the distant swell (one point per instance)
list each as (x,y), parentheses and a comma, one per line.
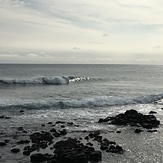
(103,101)
(55,80)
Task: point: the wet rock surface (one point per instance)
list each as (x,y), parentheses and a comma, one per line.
(72,150)
(53,146)
(15,150)
(2,144)
(39,137)
(4,117)
(53,143)
(133,118)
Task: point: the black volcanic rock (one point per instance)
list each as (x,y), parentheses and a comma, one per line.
(53,130)
(2,144)
(4,117)
(21,111)
(152,112)
(63,132)
(133,118)
(40,140)
(72,151)
(138,131)
(15,150)
(23,142)
(60,122)
(38,137)
(115,149)
(111,146)
(38,157)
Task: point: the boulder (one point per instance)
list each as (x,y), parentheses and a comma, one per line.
(72,151)
(2,144)
(133,118)
(15,150)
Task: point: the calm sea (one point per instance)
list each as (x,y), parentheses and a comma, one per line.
(80,93)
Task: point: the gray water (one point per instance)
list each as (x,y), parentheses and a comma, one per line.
(96,91)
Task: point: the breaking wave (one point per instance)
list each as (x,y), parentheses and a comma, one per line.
(103,101)
(55,80)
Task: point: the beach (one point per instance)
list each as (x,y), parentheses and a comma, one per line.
(69,100)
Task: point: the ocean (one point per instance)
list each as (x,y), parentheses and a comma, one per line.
(83,94)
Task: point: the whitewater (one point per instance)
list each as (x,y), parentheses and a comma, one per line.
(82,94)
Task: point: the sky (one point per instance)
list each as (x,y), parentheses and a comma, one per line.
(84,32)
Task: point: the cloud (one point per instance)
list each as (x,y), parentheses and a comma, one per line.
(32,55)
(104,27)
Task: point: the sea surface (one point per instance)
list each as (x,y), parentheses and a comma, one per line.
(83,94)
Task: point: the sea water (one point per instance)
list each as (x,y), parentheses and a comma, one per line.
(83,94)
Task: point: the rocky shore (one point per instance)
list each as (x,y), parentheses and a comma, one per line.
(55,144)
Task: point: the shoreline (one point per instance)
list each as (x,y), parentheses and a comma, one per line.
(123,137)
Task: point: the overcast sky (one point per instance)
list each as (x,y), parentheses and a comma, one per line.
(81,31)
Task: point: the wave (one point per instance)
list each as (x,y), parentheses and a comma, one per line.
(103,101)
(55,80)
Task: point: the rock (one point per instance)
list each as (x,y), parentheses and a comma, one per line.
(90,144)
(38,157)
(40,140)
(21,111)
(28,150)
(72,151)
(56,134)
(70,123)
(94,134)
(87,138)
(20,128)
(6,140)
(53,130)
(111,146)
(133,118)
(118,132)
(60,122)
(104,147)
(24,131)
(95,156)
(138,131)
(151,130)
(2,117)
(115,149)
(7,117)
(51,148)
(63,132)
(26,153)
(15,150)
(152,112)
(23,142)
(147,125)
(43,125)
(98,138)
(49,123)
(38,137)
(2,144)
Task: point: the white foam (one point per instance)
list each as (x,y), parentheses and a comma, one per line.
(102,101)
(54,80)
